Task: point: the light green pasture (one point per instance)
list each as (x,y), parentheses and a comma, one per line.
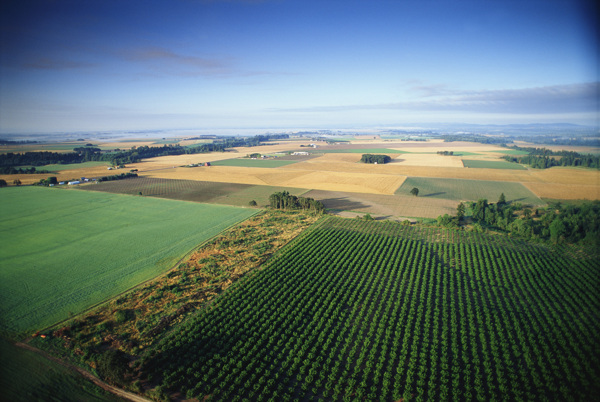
(469,190)
(70,166)
(483,164)
(66,250)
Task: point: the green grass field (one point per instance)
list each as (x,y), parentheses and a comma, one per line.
(469,190)
(481,164)
(66,250)
(247,162)
(512,152)
(58,168)
(27,376)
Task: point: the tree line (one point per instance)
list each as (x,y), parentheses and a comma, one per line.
(482,139)
(285,200)
(543,158)
(379,159)
(558,222)
(10,163)
(118,177)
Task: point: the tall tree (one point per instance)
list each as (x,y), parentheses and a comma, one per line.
(460,211)
(415,191)
(502,200)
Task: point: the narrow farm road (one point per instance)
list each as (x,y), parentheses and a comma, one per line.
(114,390)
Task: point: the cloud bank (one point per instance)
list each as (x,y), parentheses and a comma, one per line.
(573,98)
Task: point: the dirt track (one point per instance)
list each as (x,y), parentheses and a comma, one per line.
(113,390)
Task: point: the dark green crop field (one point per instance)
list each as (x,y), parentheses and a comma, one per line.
(356,310)
(482,164)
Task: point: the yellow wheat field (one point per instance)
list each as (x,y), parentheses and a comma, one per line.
(299,178)
(565,191)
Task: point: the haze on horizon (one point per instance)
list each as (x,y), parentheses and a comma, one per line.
(69,65)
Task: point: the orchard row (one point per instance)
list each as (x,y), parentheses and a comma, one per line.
(380,311)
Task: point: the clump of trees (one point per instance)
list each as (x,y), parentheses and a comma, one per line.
(558,222)
(542,158)
(445,152)
(285,200)
(379,159)
(49,181)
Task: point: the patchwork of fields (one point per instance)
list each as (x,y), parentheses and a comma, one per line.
(66,250)
(360,310)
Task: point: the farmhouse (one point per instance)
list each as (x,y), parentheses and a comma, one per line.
(71,183)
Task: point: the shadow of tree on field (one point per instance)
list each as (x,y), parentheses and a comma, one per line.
(433,194)
(343,203)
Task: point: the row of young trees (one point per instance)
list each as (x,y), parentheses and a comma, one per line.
(360,310)
(371,158)
(285,200)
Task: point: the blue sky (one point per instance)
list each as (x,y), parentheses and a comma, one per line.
(86,65)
